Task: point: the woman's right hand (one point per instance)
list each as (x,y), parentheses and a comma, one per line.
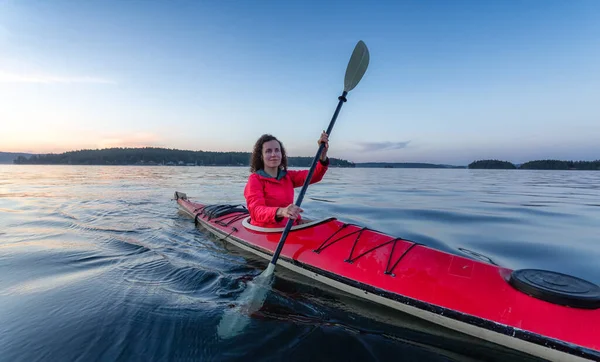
(291,211)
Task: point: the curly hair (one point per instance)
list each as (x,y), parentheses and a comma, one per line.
(256,161)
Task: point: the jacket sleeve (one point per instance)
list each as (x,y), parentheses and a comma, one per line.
(255,201)
(298,177)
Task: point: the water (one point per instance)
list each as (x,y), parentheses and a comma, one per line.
(96,263)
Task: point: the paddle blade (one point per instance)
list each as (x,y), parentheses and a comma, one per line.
(357,66)
(234,320)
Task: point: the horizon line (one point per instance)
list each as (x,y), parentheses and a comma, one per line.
(347,160)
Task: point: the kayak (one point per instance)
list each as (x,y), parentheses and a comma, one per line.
(542,313)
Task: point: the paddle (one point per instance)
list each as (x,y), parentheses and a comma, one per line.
(354,72)
(257,290)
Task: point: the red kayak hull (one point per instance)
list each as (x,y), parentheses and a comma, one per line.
(464,294)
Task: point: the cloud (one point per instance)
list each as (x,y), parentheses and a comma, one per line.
(382,146)
(6,77)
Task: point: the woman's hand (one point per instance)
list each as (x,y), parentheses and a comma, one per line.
(291,212)
(324,139)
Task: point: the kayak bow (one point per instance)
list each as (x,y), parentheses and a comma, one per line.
(542,313)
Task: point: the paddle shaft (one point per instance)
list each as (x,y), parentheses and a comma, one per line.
(290,222)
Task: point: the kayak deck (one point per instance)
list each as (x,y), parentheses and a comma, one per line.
(455,291)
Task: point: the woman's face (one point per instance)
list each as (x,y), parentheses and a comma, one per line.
(271,154)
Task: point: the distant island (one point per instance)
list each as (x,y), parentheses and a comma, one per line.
(150,156)
(536,165)
(9,157)
(491,164)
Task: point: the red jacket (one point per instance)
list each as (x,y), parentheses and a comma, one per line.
(265,194)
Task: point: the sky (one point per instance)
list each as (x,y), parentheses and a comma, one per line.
(448,81)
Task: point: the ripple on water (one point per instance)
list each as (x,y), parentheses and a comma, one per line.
(98,264)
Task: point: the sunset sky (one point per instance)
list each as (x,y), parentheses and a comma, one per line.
(448,82)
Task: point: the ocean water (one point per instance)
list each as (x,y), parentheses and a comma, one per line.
(97,264)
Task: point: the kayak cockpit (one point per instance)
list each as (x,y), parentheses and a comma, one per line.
(305,223)
(228,213)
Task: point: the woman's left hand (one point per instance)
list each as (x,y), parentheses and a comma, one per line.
(324,139)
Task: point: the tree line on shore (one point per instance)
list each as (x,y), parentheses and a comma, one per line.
(158,156)
(536,165)
(164,156)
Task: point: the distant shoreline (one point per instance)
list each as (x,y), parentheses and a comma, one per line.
(537,165)
(150,156)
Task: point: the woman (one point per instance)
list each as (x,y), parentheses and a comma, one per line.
(269,192)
